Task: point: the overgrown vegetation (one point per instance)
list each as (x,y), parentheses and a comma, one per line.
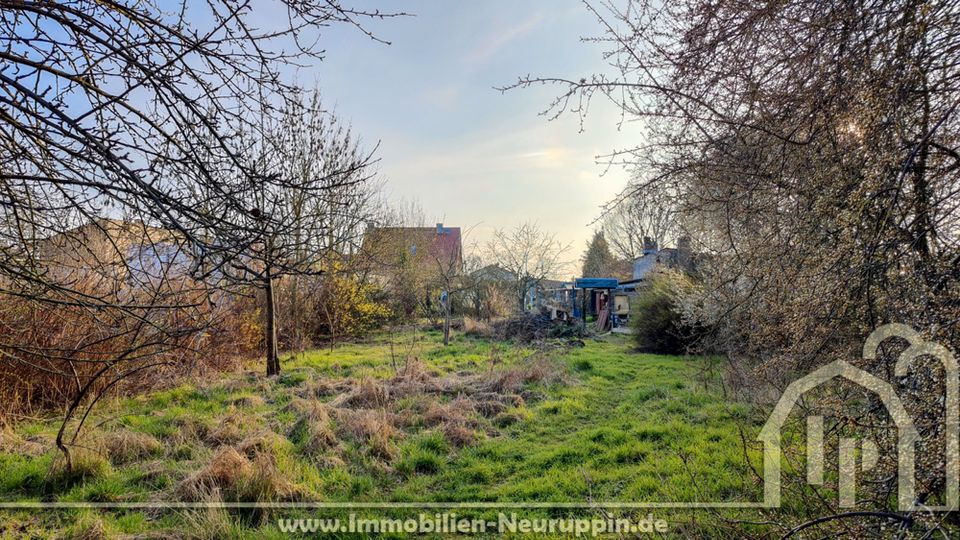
(477,420)
(809,150)
(657,315)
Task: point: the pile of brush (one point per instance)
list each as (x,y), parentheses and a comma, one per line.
(530,328)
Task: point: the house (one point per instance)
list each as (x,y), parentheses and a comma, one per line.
(114,252)
(655,260)
(430,252)
(416,264)
(493,274)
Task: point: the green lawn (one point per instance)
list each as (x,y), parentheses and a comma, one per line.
(609,425)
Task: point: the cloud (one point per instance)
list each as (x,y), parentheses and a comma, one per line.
(496,40)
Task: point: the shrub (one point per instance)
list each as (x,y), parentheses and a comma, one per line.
(346,306)
(659,325)
(51,349)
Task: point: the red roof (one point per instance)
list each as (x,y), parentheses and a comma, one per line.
(425,244)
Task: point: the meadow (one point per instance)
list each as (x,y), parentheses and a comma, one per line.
(396,418)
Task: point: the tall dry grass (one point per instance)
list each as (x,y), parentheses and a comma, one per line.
(54,350)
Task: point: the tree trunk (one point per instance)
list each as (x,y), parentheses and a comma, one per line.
(446,320)
(273,357)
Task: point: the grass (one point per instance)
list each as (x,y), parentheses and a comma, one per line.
(617,426)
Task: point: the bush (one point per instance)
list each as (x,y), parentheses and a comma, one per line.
(345,306)
(657,321)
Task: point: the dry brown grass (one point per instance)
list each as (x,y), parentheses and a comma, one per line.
(231,430)
(513,379)
(260,442)
(373,412)
(375,429)
(221,474)
(323,388)
(458,435)
(92,530)
(309,408)
(314,417)
(415,378)
(125,446)
(248,402)
(461,410)
(189,432)
(14,443)
(235,477)
(321,438)
(474,327)
(365,424)
(368,393)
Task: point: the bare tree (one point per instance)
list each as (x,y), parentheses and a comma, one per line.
(304,210)
(103,104)
(455,277)
(529,254)
(643,212)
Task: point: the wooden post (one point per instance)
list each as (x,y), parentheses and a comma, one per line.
(611,308)
(583,309)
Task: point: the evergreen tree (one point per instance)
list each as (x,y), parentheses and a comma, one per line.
(598,260)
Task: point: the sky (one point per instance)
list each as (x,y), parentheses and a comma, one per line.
(470,155)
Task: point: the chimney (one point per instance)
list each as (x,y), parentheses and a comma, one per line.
(684,252)
(649,245)
(439,228)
